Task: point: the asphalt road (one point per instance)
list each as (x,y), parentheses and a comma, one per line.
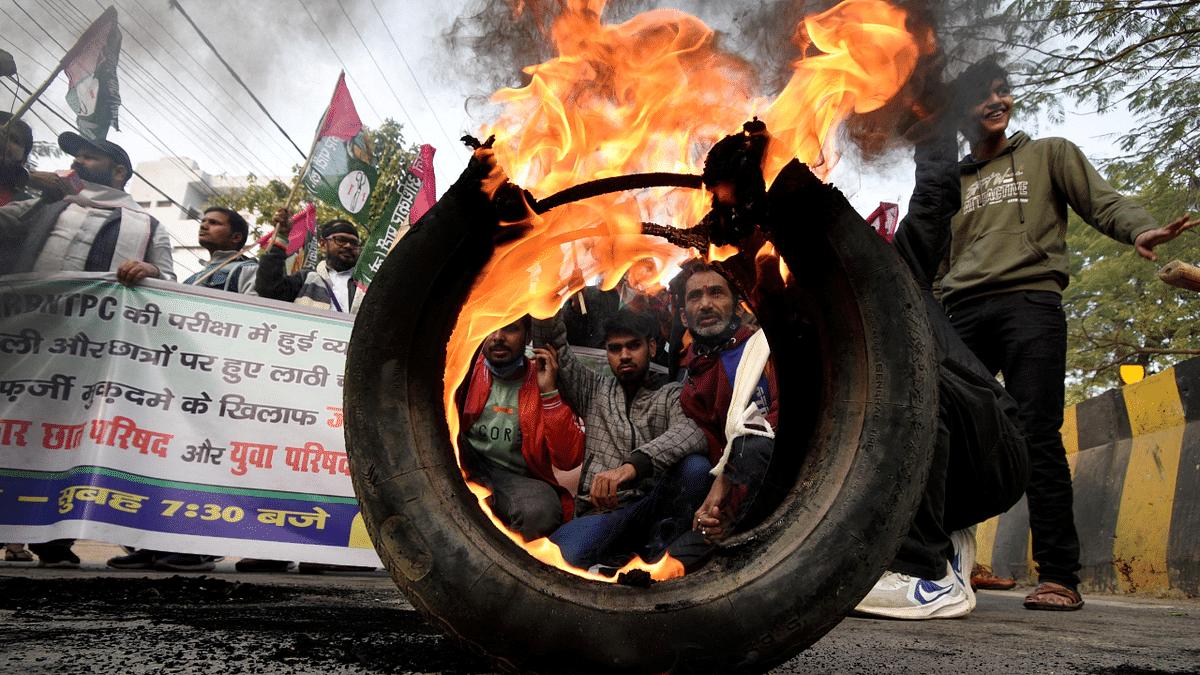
(127,622)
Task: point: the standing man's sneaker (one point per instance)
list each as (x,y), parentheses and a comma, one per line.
(899,596)
(983,579)
(963,542)
(141,559)
(185,562)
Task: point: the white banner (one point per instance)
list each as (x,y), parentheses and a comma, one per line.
(174,418)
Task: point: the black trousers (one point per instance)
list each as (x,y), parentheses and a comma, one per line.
(1023,335)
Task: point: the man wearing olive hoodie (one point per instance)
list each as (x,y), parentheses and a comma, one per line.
(1002,289)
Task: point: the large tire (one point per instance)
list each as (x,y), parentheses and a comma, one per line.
(858,396)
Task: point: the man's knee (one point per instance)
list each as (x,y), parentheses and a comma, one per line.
(538,518)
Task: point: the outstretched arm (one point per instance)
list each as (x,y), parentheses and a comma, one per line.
(1146,241)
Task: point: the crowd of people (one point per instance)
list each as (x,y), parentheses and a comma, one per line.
(670,465)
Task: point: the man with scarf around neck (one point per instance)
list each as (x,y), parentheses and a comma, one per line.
(517,430)
(100,229)
(223,233)
(644,468)
(330,286)
(713,362)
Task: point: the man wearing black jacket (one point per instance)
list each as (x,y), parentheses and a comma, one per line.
(330,286)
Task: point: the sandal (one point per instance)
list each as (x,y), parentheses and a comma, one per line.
(19,555)
(1053,597)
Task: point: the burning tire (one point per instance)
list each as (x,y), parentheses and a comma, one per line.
(856,372)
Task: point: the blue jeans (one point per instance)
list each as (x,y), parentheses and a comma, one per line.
(1023,335)
(645,528)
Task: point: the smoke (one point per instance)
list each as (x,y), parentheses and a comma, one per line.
(492,42)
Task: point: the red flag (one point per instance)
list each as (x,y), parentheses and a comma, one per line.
(885,219)
(423,167)
(302,223)
(91,67)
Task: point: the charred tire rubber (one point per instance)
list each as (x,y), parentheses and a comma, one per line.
(847,475)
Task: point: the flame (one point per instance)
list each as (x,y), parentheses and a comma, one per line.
(652,94)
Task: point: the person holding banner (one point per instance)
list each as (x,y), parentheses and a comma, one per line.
(223,233)
(98,229)
(517,430)
(330,286)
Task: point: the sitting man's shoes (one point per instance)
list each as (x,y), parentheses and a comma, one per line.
(63,559)
(982,579)
(261,565)
(899,596)
(185,562)
(318,568)
(142,559)
(1053,597)
(963,542)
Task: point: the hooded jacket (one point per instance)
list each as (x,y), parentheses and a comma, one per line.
(648,431)
(1010,234)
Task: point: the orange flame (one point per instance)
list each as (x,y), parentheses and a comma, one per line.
(653,94)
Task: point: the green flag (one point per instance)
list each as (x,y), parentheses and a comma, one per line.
(341,170)
(91,68)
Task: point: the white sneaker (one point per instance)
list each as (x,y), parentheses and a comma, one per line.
(899,596)
(963,561)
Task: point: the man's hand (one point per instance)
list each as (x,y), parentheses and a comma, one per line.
(1147,240)
(546,362)
(283,223)
(713,517)
(52,186)
(605,485)
(132,271)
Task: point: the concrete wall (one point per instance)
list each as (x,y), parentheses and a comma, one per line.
(1135,458)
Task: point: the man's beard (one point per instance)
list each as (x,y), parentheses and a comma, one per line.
(339,264)
(634,378)
(100,177)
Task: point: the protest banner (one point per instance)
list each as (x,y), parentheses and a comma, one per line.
(174,418)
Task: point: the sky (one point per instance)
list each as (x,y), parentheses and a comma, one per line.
(179,100)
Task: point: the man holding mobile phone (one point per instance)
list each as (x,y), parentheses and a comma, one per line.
(516,430)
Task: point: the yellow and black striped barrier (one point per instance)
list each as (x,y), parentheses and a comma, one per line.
(1135,458)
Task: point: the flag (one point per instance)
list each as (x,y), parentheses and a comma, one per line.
(414,195)
(307,257)
(91,67)
(885,219)
(341,169)
(303,223)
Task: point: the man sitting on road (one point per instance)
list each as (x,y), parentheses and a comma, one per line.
(517,430)
(644,472)
(727,366)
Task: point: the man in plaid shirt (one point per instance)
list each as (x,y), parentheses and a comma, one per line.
(645,466)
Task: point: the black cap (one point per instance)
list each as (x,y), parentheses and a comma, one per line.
(71,142)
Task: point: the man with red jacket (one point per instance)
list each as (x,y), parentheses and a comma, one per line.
(517,430)
(722,348)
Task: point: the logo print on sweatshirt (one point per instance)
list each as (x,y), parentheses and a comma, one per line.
(994,188)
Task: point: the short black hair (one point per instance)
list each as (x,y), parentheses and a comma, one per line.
(20,130)
(628,322)
(975,83)
(237,224)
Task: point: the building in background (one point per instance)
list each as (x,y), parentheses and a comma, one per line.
(187,191)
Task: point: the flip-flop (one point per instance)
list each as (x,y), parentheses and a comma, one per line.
(1043,596)
(20,555)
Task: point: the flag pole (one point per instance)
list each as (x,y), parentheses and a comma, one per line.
(316,137)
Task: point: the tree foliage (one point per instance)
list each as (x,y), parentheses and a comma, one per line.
(262,198)
(1118,311)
